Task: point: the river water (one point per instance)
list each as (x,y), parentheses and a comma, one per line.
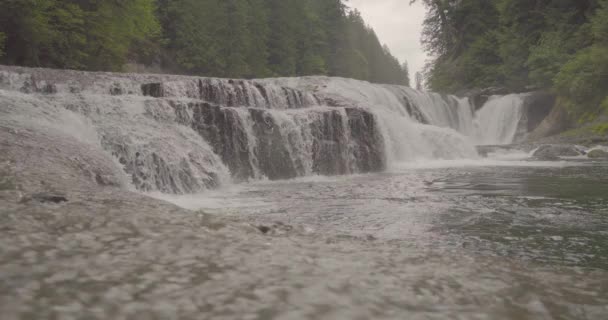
(490,239)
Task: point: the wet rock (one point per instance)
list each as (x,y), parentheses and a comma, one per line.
(554,152)
(479,97)
(330,147)
(274,156)
(49,89)
(413,111)
(46,197)
(557,121)
(368,152)
(155,90)
(597,154)
(537,107)
(116,90)
(264,229)
(277,228)
(227,135)
(485,150)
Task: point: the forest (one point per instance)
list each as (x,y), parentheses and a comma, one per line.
(521,45)
(220,38)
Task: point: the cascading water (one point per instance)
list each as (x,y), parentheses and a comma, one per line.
(179,134)
(498,120)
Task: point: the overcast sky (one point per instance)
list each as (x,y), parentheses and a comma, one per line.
(398,25)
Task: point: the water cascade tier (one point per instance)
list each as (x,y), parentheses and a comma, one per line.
(178,134)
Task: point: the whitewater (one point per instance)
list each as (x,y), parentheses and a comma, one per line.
(186,135)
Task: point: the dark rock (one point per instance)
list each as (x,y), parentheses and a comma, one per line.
(226,134)
(116,90)
(369,154)
(49,89)
(487,149)
(273,147)
(104,180)
(343,142)
(479,97)
(155,90)
(264,229)
(537,106)
(29,85)
(276,229)
(330,147)
(557,121)
(597,154)
(414,112)
(553,152)
(45,197)
(33,85)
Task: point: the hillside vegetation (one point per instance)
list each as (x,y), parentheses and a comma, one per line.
(557,45)
(222,38)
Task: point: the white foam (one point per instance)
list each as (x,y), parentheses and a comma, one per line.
(497,121)
(463,163)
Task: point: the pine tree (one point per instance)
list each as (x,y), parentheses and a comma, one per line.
(419,81)
(225,38)
(405,71)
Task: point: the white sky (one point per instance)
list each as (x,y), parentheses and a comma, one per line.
(398,25)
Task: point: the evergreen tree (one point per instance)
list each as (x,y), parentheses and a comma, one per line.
(555,45)
(419,81)
(81,34)
(225,38)
(405,70)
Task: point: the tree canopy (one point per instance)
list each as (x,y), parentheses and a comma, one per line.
(223,38)
(559,45)
(78,34)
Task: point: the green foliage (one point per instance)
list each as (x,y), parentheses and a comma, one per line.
(600,23)
(601,129)
(583,81)
(226,38)
(561,45)
(114,27)
(79,34)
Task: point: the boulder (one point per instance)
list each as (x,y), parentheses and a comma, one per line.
(597,154)
(554,152)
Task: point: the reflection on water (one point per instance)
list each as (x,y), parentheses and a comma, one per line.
(481,242)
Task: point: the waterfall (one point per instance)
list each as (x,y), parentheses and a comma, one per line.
(498,120)
(178,134)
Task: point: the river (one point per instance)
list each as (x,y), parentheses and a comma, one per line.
(482,239)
